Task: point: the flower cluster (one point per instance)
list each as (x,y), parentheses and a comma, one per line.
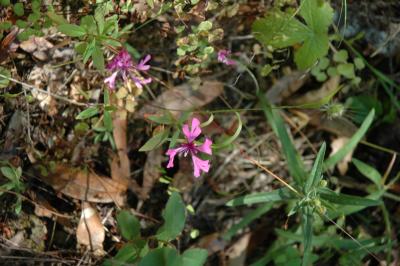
(122,66)
(190,147)
(223,57)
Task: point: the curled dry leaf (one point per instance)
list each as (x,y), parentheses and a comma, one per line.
(90,231)
(184,98)
(237,252)
(86,185)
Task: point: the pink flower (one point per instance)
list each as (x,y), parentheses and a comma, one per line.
(223,57)
(122,65)
(192,148)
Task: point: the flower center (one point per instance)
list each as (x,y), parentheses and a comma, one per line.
(189,147)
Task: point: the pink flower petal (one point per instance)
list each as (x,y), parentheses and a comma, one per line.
(110,81)
(206,146)
(200,165)
(142,64)
(194,131)
(171,153)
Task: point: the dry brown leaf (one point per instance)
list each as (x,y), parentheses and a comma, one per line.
(90,231)
(336,145)
(184,98)
(212,243)
(338,126)
(37,46)
(85,185)
(237,252)
(286,86)
(327,89)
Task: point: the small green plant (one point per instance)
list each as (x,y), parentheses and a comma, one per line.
(136,250)
(14,183)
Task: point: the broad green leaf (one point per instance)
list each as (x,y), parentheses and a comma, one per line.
(294,162)
(194,257)
(262,209)
(369,172)
(89,24)
(205,26)
(316,172)
(19,9)
(174,218)
(72,30)
(226,142)
(344,199)
(98,58)
(317,14)
(155,141)
(315,46)
(352,143)
(99,17)
(5,74)
(279,30)
(281,194)
(108,121)
(5,25)
(341,56)
(346,70)
(127,254)
(128,224)
(5,2)
(88,113)
(161,257)
(9,173)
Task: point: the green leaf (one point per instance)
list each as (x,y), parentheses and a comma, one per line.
(9,173)
(55,18)
(126,255)
(4,81)
(161,257)
(352,143)
(166,118)
(226,142)
(174,218)
(281,194)
(19,9)
(313,48)
(359,63)
(369,172)
(128,225)
(89,24)
(341,56)
(5,25)
(98,58)
(5,2)
(108,121)
(99,14)
(346,70)
(261,210)
(344,199)
(194,257)
(89,51)
(316,172)
(307,235)
(279,30)
(72,30)
(317,14)
(155,141)
(205,26)
(88,113)
(294,161)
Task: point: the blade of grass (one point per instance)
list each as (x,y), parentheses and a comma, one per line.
(272,196)
(294,162)
(316,172)
(352,143)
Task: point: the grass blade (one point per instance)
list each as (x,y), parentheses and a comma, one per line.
(352,143)
(316,172)
(272,196)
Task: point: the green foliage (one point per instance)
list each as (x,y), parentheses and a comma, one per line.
(14,183)
(128,225)
(136,250)
(5,74)
(155,141)
(282,29)
(174,218)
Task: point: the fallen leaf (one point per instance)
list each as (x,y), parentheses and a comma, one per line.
(38,47)
(286,86)
(184,98)
(86,185)
(151,172)
(237,251)
(90,231)
(336,145)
